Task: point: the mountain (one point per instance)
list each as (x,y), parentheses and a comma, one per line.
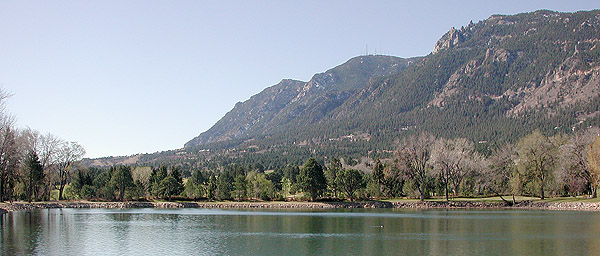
(292,103)
(492,82)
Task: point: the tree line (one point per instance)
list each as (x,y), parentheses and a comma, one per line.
(422,167)
(32,165)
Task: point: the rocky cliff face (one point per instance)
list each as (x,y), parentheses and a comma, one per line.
(540,61)
(449,40)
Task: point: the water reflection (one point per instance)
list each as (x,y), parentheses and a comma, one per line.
(288,232)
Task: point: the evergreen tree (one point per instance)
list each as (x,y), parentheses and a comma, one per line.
(378,176)
(34,176)
(350,180)
(291,172)
(156,177)
(176,174)
(82,183)
(102,187)
(211,187)
(168,187)
(224,186)
(194,186)
(121,180)
(239,187)
(311,179)
(331,173)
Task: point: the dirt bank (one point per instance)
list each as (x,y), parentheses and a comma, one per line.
(577,206)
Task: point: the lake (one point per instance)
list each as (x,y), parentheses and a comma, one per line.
(299,232)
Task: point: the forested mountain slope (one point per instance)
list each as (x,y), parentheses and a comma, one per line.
(491,81)
(494,80)
(293,103)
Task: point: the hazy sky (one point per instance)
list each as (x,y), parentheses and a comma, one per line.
(127,77)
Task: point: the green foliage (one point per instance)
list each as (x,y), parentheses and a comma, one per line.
(121,180)
(82,184)
(156,177)
(224,186)
(160,187)
(169,187)
(350,181)
(311,179)
(331,174)
(193,190)
(378,178)
(195,186)
(137,190)
(239,187)
(260,187)
(34,177)
(102,187)
(211,187)
(291,172)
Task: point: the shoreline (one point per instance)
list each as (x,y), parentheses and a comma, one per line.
(525,205)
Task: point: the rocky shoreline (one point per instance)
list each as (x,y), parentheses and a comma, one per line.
(573,206)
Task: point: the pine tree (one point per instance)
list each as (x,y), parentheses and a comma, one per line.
(312,179)
(378,176)
(34,175)
(121,180)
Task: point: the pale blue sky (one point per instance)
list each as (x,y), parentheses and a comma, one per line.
(127,77)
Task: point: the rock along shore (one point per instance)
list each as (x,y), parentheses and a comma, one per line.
(574,206)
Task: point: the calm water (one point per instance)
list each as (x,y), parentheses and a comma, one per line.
(295,232)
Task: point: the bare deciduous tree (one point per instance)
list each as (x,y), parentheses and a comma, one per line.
(441,160)
(537,159)
(594,164)
(573,168)
(68,153)
(501,170)
(453,160)
(9,150)
(47,148)
(413,160)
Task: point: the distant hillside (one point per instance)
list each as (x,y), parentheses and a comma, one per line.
(293,103)
(491,81)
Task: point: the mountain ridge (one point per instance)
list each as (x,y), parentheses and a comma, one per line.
(491,82)
(321,94)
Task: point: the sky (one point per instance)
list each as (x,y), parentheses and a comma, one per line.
(128,77)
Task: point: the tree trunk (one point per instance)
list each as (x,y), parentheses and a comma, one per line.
(60,191)
(122,193)
(447,191)
(542,191)
(30,188)
(422,192)
(594,192)
(1,189)
(504,200)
